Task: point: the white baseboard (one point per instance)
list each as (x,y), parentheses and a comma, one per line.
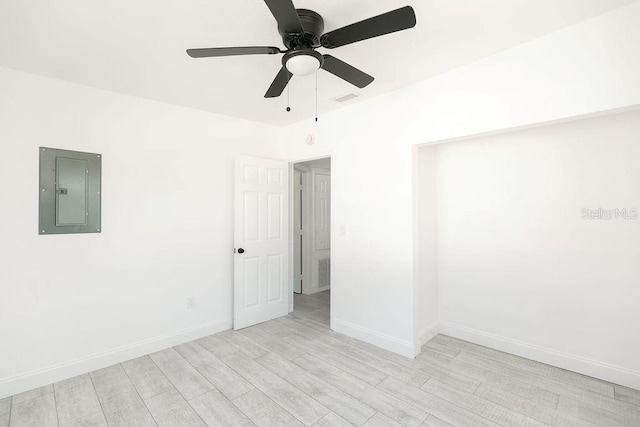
(404,348)
(24,382)
(427,333)
(582,365)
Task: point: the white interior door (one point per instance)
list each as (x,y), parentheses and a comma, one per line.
(261,239)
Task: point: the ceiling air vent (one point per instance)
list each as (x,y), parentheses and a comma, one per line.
(347,97)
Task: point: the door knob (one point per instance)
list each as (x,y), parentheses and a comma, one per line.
(240,251)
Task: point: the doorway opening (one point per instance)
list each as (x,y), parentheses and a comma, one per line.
(311,235)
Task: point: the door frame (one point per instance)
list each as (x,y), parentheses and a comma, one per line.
(297,229)
(292,272)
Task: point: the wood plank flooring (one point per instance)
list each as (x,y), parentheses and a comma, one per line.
(295,371)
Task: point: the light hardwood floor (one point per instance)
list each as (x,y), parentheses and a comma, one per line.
(295,371)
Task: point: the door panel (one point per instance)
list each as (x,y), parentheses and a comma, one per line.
(251,270)
(274,212)
(261,230)
(251,215)
(274,278)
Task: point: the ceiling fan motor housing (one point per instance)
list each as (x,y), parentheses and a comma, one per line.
(313,26)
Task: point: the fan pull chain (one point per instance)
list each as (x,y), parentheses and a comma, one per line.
(288,86)
(316,95)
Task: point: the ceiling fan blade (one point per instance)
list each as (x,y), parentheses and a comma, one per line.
(231,51)
(346,72)
(285,13)
(279,83)
(390,22)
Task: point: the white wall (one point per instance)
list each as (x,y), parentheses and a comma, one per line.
(73,303)
(518,267)
(585,69)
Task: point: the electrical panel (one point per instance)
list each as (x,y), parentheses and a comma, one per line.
(69,190)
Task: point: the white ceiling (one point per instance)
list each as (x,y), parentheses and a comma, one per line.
(137,47)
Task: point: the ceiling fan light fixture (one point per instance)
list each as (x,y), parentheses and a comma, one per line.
(303,65)
(302,62)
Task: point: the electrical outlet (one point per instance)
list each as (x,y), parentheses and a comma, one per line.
(191,302)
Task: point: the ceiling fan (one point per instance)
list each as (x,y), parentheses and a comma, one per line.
(302,33)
